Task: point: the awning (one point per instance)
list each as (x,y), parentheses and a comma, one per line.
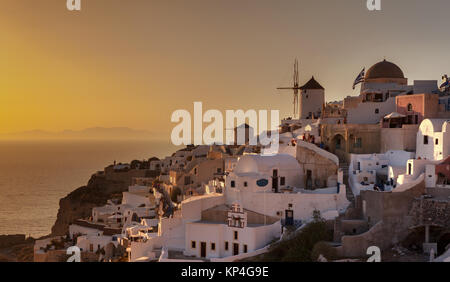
(394,115)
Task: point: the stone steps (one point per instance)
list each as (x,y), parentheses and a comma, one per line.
(349,193)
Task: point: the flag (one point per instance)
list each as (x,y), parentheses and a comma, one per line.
(359,78)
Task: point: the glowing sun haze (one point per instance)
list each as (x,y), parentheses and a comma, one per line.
(132,63)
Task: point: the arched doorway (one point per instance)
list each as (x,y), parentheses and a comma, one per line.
(338,147)
(110,250)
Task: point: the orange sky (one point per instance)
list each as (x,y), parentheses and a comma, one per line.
(132,63)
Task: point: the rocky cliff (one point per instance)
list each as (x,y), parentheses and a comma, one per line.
(79,203)
(16,248)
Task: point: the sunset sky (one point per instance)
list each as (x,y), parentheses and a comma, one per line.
(131,63)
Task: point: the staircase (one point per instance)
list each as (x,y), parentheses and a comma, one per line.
(351,216)
(350,196)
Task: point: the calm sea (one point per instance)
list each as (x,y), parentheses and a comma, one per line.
(34,175)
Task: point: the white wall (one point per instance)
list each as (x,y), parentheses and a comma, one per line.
(303,204)
(254,237)
(252,168)
(435,129)
(77,229)
(417,168)
(372,164)
(311,100)
(191,209)
(425,86)
(430,176)
(365,112)
(172,230)
(135,199)
(144,249)
(98,242)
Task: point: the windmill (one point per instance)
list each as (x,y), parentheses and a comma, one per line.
(295,88)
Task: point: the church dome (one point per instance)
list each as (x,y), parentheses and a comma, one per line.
(384,69)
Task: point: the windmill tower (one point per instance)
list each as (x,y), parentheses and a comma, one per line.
(295,88)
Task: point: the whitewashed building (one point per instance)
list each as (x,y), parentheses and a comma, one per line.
(225,232)
(376,171)
(271,185)
(312,98)
(432,155)
(433,139)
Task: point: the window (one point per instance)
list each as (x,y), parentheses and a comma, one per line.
(377,111)
(425,140)
(245,248)
(226,246)
(219,170)
(409,107)
(233,184)
(193,244)
(245,184)
(236,235)
(282,180)
(213,246)
(437,141)
(195,171)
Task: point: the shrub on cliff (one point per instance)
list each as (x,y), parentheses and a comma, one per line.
(324,249)
(300,247)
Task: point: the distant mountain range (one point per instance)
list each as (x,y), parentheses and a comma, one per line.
(88,133)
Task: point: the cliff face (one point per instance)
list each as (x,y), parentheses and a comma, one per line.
(16,248)
(79,203)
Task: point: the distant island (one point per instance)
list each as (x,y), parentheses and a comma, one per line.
(118,133)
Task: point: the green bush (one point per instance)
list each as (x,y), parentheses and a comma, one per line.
(299,248)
